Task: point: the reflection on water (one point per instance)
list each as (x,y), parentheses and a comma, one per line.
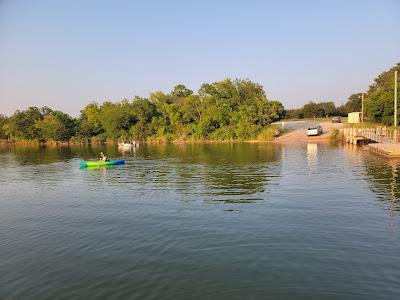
(312,150)
(125,151)
(233,201)
(36,154)
(381,174)
(207,221)
(222,173)
(384,179)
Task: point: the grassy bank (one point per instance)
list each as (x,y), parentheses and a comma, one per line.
(335,136)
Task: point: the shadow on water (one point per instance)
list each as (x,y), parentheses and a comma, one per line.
(381,173)
(384,180)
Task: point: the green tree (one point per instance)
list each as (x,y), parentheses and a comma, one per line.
(55,126)
(378,102)
(89,122)
(227,109)
(3,122)
(180,91)
(143,110)
(192,109)
(329,108)
(312,109)
(295,113)
(113,119)
(140,131)
(21,125)
(160,97)
(353,104)
(235,109)
(318,109)
(270,111)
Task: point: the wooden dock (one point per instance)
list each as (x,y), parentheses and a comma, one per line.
(391,150)
(354,135)
(380,140)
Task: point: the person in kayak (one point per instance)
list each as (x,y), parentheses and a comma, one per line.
(103,157)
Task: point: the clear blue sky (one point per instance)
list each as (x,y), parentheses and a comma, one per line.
(65,54)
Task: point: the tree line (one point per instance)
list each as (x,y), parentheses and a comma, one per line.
(225,110)
(378,102)
(326,109)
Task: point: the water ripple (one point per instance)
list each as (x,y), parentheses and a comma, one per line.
(200,222)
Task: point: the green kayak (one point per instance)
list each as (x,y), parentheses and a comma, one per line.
(85,164)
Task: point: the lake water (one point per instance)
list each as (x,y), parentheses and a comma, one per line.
(227,221)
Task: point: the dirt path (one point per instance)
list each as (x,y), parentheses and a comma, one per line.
(300,135)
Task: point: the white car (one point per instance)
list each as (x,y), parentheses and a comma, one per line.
(316,130)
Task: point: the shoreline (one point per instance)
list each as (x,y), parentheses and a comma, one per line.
(293,136)
(323,138)
(176,142)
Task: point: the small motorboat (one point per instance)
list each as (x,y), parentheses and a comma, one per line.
(132,144)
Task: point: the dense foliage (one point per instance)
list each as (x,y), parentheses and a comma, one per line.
(37,124)
(378,102)
(313,110)
(3,121)
(379,99)
(326,109)
(225,110)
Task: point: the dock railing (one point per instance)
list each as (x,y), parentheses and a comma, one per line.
(379,134)
(393,134)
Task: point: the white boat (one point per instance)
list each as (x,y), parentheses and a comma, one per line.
(128,144)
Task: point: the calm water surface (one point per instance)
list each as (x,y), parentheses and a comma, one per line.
(226,221)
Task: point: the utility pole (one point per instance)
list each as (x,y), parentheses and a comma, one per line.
(362,107)
(395,106)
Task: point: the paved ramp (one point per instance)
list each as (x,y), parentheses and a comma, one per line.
(298,132)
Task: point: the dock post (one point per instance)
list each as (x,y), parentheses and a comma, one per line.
(362,108)
(395,107)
